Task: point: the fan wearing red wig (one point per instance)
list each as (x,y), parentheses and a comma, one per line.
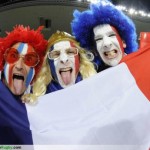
(21,55)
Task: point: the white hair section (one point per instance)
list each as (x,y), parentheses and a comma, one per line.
(0,75)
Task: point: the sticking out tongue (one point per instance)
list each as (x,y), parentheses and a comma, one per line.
(18,85)
(66,77)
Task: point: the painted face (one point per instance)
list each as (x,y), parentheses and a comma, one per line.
(64,62)
(109,44)
(17,70)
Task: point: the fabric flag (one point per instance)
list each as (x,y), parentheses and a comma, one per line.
(110,110)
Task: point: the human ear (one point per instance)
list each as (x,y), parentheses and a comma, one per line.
(124,44)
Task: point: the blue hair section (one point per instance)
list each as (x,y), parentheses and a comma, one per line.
(83,23)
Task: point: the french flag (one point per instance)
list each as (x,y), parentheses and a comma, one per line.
(108,111)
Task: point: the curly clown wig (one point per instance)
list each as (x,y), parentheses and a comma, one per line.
(103,12)
(25,35)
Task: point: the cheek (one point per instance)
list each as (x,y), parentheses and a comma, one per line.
(30,75)
(99,47)
(56,63)
(52,65)
(118,38)
(8,69)
(120,43)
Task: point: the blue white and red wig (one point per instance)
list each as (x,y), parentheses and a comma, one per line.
(103,12)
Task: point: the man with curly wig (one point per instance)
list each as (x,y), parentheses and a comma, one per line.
(22,53)
(21,56)
(107,30)
(66,64)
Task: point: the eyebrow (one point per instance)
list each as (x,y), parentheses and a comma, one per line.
(111,32)
(108,33)
(97,37)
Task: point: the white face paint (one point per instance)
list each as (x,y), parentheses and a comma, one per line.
(109,44)
(66,66)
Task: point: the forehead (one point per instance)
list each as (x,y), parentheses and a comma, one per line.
(62,45)
(23,48)
(103,29)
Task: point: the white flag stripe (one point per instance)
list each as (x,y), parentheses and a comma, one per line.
(106,109)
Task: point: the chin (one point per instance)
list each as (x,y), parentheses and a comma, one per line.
(18,94)
(65,86)
(112,63)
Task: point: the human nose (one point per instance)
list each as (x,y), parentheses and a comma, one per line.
(63,58)
(107,43)
(19,64)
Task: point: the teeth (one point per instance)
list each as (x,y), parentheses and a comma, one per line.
(65,69)
(111,53)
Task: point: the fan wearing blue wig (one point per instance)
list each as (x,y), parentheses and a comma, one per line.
(107,30)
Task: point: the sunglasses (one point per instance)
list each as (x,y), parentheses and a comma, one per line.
(31,59)
(55,54)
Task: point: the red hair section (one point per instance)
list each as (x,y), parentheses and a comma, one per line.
(24,35)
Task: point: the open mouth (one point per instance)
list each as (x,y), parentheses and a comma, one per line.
(66,75)
(111,54)
(18,82)
(18,77)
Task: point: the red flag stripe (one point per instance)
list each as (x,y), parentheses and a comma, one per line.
(139,65)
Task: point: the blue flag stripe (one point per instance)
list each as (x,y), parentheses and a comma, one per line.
(14,124)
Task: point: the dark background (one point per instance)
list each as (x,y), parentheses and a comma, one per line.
(57,14)
(138,4)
